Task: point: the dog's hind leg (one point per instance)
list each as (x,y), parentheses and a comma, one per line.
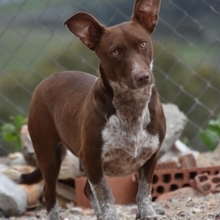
(93,201)
(49,153)
(50,173)
(49,165)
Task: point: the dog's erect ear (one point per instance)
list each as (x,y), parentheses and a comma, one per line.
(146,12)
(86,27)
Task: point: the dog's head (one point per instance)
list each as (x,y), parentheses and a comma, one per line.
(125,50)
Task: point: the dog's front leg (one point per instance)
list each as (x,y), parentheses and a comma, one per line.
(98,192)
(144,201)
(93,201)
(105,199)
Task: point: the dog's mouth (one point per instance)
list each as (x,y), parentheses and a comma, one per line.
(130,85)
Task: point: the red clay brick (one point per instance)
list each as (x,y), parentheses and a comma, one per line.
(187,161)
(206,183)
(167,165)
(125,189)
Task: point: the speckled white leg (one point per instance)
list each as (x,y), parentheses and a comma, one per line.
(53,214)
(95,206)
(104,197)
(144,201)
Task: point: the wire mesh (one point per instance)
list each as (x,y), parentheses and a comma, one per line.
(35,44)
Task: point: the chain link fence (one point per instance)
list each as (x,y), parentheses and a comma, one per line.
(35,44)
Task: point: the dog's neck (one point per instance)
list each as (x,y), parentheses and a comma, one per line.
(132,105)
(127,103)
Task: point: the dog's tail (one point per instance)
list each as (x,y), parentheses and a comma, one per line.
(31,178)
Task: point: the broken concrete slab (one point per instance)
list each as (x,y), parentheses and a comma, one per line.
(13,199)
(176,122)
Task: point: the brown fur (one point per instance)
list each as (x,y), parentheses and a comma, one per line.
(70,110)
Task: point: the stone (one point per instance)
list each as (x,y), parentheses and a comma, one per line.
(196,210)
(217,217)
(65,191)
(16,158)
(160,212)
(178,150)
(176,122)
(34,193)
(27,147)
(179,193)
(208,159)
(11,173)
(70,167)
(13,199)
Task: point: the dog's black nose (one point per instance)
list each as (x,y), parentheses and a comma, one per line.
(142,78)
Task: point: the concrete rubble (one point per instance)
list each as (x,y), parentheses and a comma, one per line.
(13,199)
(176,122)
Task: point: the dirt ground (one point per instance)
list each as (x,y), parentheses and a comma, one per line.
(185,208)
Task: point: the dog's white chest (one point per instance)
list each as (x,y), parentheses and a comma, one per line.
(127,145)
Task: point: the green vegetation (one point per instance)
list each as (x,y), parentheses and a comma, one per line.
(11,130)
(211,135)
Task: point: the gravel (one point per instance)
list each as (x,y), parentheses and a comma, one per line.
(196,208)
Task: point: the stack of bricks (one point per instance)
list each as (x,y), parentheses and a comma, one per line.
(170,180)
(168,177)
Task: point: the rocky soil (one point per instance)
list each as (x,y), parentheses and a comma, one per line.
(186,208)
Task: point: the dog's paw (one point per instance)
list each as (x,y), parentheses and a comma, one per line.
(148,217)
(109,216)
(54,214)
(151,217)
(146,213)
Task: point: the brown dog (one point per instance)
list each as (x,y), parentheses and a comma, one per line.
(114,123)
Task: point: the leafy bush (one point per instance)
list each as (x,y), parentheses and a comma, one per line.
(11,131)
(211,135)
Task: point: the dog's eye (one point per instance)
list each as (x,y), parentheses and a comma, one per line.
(143,44)
(115,52)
